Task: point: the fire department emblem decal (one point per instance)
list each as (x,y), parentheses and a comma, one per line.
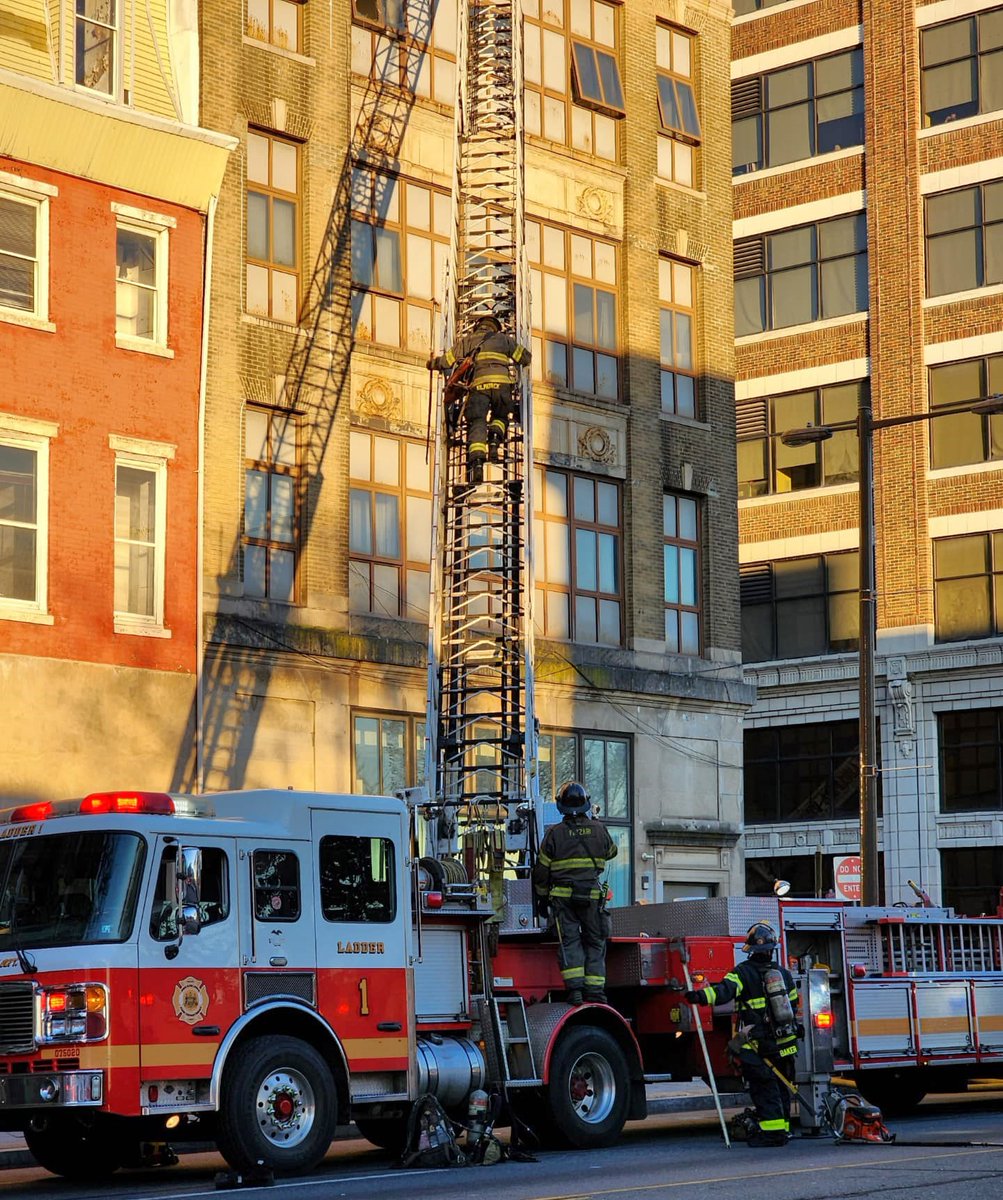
(191,1000)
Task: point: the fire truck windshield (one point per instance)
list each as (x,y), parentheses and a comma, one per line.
(69,888)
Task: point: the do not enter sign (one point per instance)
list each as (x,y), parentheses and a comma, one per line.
(846,872)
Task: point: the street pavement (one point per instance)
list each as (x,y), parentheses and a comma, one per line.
(663,1098)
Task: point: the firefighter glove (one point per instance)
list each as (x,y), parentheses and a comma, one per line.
(695,997)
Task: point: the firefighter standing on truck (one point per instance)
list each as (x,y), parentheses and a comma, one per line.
(766,1036)
(566,876)
(493,357)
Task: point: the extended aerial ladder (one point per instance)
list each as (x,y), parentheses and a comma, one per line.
(481,753)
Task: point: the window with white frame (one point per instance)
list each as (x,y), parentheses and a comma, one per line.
(679,134)
(24,491)
(97,45)
(24,247)
(140,532)
(141,263)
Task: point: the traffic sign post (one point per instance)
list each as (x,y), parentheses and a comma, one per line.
(846,873)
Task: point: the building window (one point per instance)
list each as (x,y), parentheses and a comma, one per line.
(971,760)
(390,526)
(574,299)
(800,607)
(681,570)
(767,467)
(576,539)
(277,22)
(388,753)
(964,239)
(801,275)
(400,242)
(273,200)
(387,14)
(141,296)
(140,533)
(742,7)
(271,504)
(24,253)
(603,765)
(677,300)
(808,874)
(962,64)
(802,773)
(965,437)
(97,66)
(677,106)
(968,586)
(422,61)
(24,491)
(789,115)
(573,93)
(970,880)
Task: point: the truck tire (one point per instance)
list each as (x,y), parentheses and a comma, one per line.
(278,1106)
(389,1133)
(83,1152)
(588,1091)
(896,1093)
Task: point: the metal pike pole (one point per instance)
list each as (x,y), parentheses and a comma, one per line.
(684,959)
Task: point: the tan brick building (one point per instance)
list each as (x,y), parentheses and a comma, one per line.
(868,202)
(333,233)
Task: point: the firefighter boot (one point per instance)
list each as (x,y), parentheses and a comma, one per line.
(760,1140)
(573,997)
(475,470)
(495,449)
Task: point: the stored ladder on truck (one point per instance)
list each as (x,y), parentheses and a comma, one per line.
(481,737)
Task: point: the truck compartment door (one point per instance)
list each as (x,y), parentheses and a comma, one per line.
(363,923)
(883,1019)
(945,1024)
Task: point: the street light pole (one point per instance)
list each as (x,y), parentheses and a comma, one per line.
(868,723)
(868,733)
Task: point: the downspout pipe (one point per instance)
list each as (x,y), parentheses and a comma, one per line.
(210,230)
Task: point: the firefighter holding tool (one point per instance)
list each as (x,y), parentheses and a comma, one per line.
(566,875)
(482,366)
(766,1030)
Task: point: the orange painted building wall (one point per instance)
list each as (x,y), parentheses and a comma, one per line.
(78,377)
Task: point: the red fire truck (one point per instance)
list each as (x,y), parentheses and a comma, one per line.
(255,968)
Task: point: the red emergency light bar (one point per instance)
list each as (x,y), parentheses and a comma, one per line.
(150,803)
(823,1020)
(157,803)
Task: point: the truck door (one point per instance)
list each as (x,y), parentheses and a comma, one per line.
(278,953)
(363,932)
(189,993)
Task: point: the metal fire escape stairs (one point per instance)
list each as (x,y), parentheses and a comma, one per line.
(481,747)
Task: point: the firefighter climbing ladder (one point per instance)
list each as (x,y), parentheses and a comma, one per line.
(481,752)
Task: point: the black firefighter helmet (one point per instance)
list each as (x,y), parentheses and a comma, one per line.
(487,324)
(761,939)
(572,799)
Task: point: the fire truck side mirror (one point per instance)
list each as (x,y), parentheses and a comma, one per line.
(189,890)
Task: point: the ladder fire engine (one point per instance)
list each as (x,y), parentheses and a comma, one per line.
(257,968)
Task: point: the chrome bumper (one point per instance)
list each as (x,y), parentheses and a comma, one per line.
(55,1089)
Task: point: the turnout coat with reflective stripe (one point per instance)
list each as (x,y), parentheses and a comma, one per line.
(495,353)
(744,985)
(571,857)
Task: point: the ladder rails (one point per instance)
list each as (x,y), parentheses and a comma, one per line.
(481,753)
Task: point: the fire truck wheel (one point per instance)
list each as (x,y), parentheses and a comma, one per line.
(278,1106)
(588,1090)
(389,1133)
(896,1093)
(74,1149)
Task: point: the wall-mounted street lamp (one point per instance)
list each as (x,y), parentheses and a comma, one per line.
(865,426)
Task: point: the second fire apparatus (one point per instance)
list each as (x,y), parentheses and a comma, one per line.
(259,967)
